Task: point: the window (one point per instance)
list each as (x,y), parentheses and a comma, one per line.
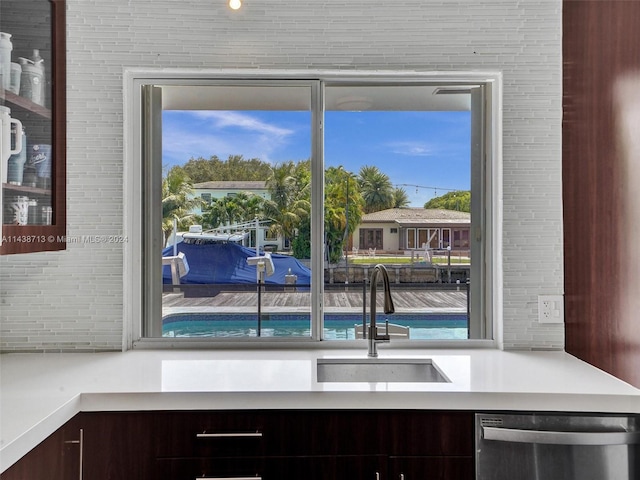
(308,209)
(371,238)
(433,235)
(461,238)
(446,238)
(411,238)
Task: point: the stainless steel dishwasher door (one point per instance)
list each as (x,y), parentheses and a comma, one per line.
(557,447)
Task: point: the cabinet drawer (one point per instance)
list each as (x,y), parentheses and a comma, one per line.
(207,434)
(329,432)
(275,468)
(431,433)
(268,433)
(202,468)
(431,468)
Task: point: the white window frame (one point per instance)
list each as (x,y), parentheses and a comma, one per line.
(411,233)
(487,332)
(442,241)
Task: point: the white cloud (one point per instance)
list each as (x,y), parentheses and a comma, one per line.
(196,134)
(224,119)
(414,149)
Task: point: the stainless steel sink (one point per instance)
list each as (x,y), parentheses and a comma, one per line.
(379,370)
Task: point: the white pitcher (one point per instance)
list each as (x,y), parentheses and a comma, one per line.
(6,46)
(5,139)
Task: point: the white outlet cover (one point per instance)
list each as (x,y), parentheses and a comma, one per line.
(550,309)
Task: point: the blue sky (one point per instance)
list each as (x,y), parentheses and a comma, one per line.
(421,149)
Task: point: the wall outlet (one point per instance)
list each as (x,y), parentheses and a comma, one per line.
(550,308)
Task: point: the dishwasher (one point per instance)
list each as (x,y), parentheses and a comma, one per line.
(551,446)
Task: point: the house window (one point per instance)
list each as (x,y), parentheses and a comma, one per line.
(206,198)
(411,238)
(446,237)
(423,238)
(316,200)
(433,236)
(461,238)
(371,238)
(270,235)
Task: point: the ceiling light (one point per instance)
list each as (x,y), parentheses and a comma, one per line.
(235,4)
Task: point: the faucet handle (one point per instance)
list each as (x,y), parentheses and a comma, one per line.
(384,338)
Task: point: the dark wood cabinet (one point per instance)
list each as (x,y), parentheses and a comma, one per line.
(58,457)
(601,60)
(319,467)
(118,445)
(267,444)
(431,468)
(37,30)
(314,444)
(427,445)
(420,433)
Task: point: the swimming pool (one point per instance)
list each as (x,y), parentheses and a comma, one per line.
(336,326)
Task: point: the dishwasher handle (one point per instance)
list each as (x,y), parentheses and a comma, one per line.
(560,438)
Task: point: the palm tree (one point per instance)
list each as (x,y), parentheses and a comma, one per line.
(400,198)
(242,207)
(222,211)
(290,203)
(342,210)
(178,201)
(376,189)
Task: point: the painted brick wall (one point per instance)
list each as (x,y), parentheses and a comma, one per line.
(72,300)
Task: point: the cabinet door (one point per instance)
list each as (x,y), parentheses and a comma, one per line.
(427,433)
(58,457)
(118,445)
(431,468)
(33,178)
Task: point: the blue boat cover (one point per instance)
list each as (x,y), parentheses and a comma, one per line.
(211,263)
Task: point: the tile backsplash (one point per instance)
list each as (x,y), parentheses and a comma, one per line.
(73,300)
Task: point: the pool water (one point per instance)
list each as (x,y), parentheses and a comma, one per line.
(336,326)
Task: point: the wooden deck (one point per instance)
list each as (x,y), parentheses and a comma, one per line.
(441,301)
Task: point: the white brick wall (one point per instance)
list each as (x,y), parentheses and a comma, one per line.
(73,300)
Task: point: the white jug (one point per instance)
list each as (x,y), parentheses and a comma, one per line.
(5,139)
(6,46)
(32,78)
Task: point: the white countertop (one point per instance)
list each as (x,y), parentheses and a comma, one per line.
(40,392)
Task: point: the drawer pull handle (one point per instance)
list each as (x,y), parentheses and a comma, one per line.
(228,478)
(230,435)
(79,442)
(560,438)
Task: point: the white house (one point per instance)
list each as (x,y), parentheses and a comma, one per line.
(211,191)
(413,229)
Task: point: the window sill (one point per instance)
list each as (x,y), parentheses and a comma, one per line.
(297,344)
